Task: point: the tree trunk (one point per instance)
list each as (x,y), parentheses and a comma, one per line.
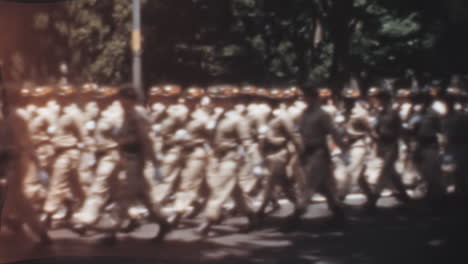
(339,21)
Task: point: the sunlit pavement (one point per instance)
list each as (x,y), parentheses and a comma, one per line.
(414,234)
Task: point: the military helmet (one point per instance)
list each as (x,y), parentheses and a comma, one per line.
(42,91)
(454,93)
(194,92)
(248,90)
(373,91)
(26,91)
(213,91)
(262,92)
(403,93)
(289,94)
(276,94)
(171,90)
(229,91)
(88,88)
(324,92)
(65,90)
(433,88)
(107,91)
(351,93)
(156,91)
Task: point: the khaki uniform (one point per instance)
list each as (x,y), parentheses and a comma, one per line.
(88,156)
(295,113)
(20,167)
(257,118)
(281,131)
(65,184)
(108,157)
(194,140)
(231,133)
(33,188)
(176,116)
(359,147)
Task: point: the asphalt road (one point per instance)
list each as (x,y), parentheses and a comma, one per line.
(392,235)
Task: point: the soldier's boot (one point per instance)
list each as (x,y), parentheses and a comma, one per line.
(175,219)
(45,239)
(164,229)
(253,223)
(109,240)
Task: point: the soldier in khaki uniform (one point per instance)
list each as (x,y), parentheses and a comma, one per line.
(108,124)
(231,134)
(194,138)
(90,112)
(281,131)
(174,118)
(42,126)
(257,115)
(65,187)
(20,167)
(135,148)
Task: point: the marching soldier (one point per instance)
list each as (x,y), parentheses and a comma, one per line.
(281,131)
(455,128)
(135,148)
(425,125)
(316,125)
(109,123)
(174,118)
(20,167)
(231,134)
(387,128)
(65,187)
(357,130)
(194,139)
(256,117)
(90,112)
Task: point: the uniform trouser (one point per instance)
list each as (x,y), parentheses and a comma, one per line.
(389,154)
(100,190)
(86,169)
(276,164)
(170,169)
(223,182)
(247,181)
(133,187)
(191,179)
(318,177)
(3,186)
(17,203)
(358,154)
(64,184)
(429,166)
(461,171)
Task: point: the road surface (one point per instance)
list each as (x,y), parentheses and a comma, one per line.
(392,235)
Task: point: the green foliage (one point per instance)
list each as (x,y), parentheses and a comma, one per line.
(270,42)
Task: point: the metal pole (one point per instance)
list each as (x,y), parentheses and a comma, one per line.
(137,50)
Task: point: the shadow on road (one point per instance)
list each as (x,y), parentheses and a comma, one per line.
(391,235)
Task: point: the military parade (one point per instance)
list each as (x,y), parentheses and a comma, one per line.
(93,158)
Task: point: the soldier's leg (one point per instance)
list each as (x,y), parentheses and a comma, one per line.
(276,164)
(21,206)
(357,155)
(170,168)
(429,167)
(191,180)
(222,181)
(58,187)
(314,169)
(100,190)
(461,171)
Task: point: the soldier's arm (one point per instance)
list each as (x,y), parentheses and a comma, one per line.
(292,133)
(327,123)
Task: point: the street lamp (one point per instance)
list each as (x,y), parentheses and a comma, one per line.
(137,50)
